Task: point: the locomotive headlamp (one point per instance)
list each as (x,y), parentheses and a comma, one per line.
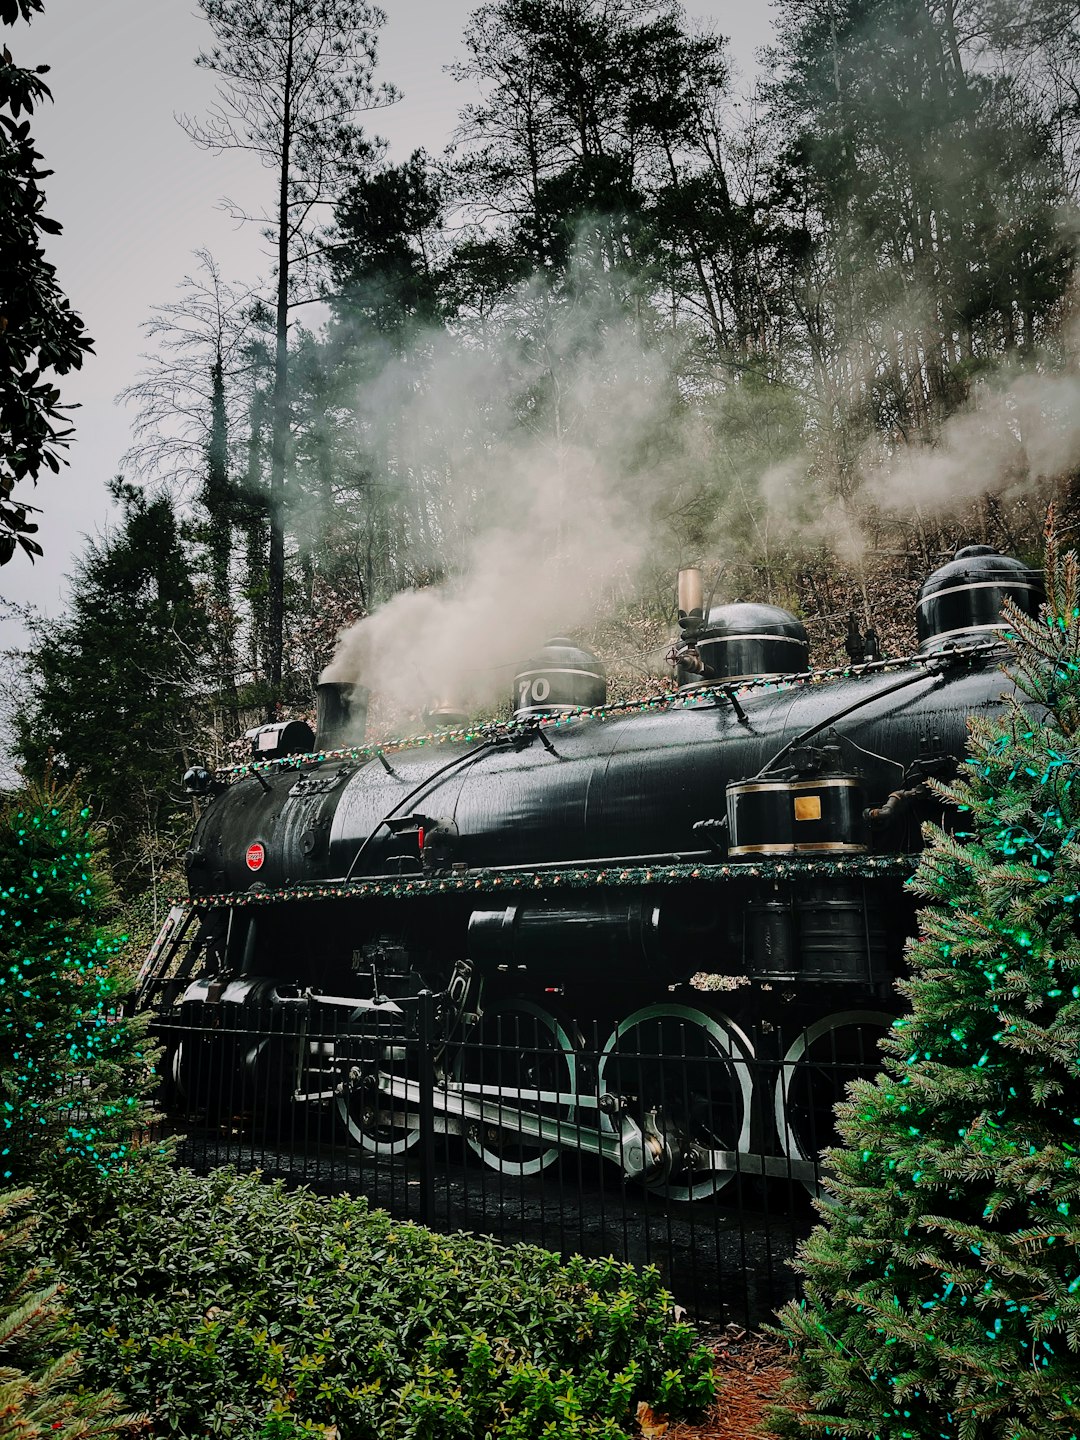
(284,737)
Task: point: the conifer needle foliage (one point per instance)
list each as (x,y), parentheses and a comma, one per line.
(39,1395)
(73,1071)
(943,1289)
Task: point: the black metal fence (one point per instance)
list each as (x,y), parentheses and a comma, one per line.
(669,1141)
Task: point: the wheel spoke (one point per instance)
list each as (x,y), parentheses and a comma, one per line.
(378,1123)
(814,1074)
(688,1068)
(518,1047)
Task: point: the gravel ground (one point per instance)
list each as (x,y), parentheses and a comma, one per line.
(751,1372)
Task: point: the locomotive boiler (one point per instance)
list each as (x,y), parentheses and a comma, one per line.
(497,893)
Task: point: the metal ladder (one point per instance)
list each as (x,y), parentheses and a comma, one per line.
(154,971)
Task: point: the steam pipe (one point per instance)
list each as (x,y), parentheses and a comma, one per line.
(905,680)
(425,784)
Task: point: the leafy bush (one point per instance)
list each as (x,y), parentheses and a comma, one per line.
(227,1306)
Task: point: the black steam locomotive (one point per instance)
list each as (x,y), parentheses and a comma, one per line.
(614,869)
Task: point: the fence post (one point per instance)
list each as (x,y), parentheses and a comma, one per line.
(426,1078)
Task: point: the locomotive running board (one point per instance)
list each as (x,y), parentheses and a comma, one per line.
(453,1100)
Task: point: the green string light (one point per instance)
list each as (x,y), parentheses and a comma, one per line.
(58,1014)
(493,881)
(699,697)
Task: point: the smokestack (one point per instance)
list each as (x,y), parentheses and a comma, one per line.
(341,714)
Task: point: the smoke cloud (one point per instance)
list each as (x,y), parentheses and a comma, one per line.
(563,465)
(551,471)
(1016,436)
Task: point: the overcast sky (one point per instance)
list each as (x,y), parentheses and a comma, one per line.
(136,198)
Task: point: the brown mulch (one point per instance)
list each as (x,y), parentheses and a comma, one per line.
(749,1373)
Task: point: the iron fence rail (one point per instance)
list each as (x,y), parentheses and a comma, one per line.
(669,1150)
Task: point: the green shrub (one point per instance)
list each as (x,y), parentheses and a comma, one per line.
(227,1306)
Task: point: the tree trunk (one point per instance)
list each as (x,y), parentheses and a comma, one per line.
(279,420)
(255,537)
(220,511)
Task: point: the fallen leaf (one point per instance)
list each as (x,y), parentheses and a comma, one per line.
(652,1425)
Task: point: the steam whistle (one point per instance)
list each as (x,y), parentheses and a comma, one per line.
(691,604)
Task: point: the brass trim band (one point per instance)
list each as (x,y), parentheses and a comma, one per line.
(968,630)
(817,845)
(708,639)
(557,670)
(752,787)
(1005,583)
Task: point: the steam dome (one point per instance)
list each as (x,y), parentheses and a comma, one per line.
(742,640)
(960,604)
(558,678)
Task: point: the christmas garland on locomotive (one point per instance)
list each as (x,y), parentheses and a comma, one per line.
(577,867)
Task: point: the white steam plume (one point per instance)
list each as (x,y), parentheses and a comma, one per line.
(1010,440)
(546,503)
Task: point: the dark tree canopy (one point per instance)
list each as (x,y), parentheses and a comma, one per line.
(117,676)
(40,335)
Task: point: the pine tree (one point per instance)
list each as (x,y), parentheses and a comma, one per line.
(73,1070)
(113,709)
(293,76)
(943,1290)
(37,1394)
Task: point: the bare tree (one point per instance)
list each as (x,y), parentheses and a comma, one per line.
(295,74)
(192,399)
(205,332)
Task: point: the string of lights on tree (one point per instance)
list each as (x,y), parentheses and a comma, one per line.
(943,1292)
(404,887)
(507,731)
(59,1013)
